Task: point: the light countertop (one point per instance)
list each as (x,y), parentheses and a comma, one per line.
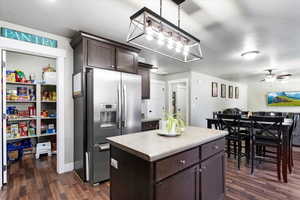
(151,147)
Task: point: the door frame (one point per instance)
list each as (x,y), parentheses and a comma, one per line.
(60,55)
(186,81)
(163,83)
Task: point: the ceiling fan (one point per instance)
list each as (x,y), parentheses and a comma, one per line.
(271,77)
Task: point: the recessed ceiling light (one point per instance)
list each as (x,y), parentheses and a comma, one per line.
(249,55)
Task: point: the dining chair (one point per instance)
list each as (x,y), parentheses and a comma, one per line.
(236,137)
(291,137)
(266,133)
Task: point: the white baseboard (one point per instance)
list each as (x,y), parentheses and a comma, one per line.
(67,168)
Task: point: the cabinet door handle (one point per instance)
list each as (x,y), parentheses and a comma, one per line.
(182,162)
(203,167)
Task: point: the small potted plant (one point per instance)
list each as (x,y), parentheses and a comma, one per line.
(174,125)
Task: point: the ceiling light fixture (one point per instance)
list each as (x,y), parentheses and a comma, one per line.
(147,24)
(250,55)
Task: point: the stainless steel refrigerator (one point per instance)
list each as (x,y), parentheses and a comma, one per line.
(113,107)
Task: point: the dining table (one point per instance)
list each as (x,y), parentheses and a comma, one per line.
(245,122)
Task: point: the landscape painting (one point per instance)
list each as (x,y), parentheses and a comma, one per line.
(284,99)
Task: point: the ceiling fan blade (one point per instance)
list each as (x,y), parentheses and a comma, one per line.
(283,76)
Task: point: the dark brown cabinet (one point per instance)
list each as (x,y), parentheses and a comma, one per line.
(183,185)
(144,71)
(100,55)
(126,61)
(212,178)
(150,125)
(189,175)
(95,51)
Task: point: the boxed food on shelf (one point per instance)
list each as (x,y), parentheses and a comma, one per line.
(14,131)
(14,113)
(10,76)
(23,129)
(11,95)
(32,128)
(49,95)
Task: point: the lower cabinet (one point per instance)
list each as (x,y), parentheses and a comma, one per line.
(204,181)
(212,180)
(150,125)
(182,176)
(182,186)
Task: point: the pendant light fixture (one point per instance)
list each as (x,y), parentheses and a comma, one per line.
(153,32)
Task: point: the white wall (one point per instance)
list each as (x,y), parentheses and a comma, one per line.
(63,43)
(203,104)
(28,64)
(257,99)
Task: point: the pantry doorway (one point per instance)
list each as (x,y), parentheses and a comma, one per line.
(32,102)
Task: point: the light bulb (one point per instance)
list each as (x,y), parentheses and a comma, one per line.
(186,50)
(170,43)
(149,33)
(161,39)
(160,42)
(149,37)
(178,47)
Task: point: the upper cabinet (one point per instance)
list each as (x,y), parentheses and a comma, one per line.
(126,61)
(144,71)
(100,54)
(94,51)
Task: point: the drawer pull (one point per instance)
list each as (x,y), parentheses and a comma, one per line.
(216,147)
(182,162)
(204,167)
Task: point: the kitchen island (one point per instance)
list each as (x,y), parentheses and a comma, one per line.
(146,166)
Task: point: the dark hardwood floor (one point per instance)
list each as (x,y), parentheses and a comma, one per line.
(37,179)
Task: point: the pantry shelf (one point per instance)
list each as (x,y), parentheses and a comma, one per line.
(20,83)
(24,137)
(22,119)
(48,117)
(20,101)
(46,134)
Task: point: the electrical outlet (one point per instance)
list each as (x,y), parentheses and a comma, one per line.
(114,163)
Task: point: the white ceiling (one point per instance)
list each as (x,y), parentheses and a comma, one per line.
(225,27)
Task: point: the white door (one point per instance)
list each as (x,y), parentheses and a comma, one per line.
(181,101)
(156,105)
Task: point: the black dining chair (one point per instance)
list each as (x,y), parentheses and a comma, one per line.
(236,137)
(266,134)
(291,137)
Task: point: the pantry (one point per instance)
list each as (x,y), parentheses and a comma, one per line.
(32,104)
(30,87)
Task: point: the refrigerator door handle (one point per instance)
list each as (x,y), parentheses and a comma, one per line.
(124,105)
(87,167)
(119,117)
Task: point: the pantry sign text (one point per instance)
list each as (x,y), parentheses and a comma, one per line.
(27,37)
